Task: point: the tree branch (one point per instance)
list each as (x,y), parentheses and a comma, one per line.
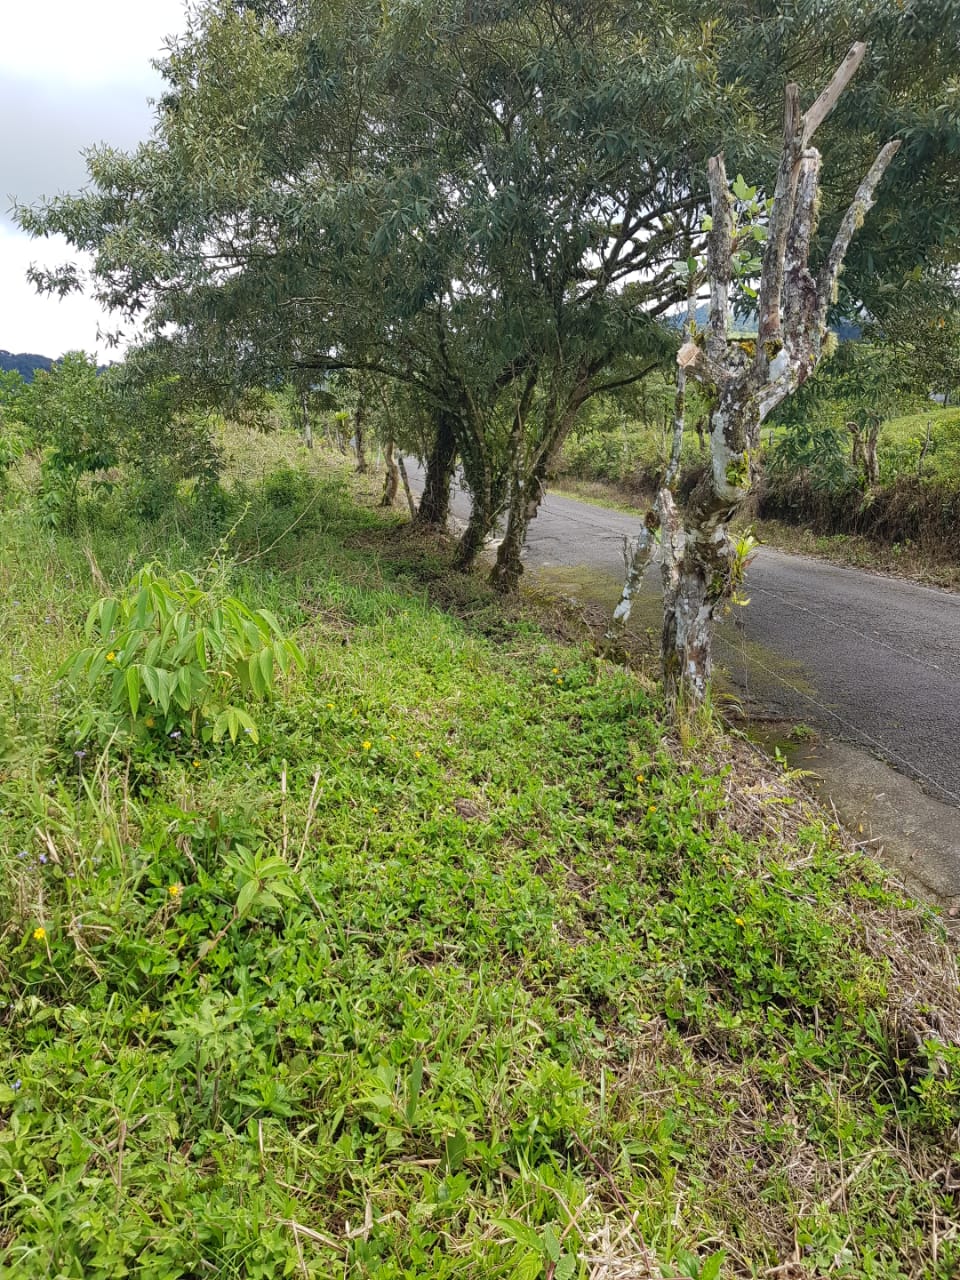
(784,199)
(815,117)
(719,257)
(852,220)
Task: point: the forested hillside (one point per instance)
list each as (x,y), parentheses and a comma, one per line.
(24,364)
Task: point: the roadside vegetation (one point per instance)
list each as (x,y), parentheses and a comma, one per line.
(464,963)
(359,916)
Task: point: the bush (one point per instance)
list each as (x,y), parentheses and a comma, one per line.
(171,658)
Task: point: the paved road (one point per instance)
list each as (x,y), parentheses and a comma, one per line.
(870,659)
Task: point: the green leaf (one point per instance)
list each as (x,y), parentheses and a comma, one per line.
(413,1090)
(455,1150)
(710,1267)
(150,682)
(165,681)
(248,724)
(248,891)
(266,668)
(551,1244)
(132,678)
(220,726)
(742,191)
(520,1232)
(566,1268)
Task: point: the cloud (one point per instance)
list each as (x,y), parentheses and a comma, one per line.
(72,75)
(40,154)
(36,322)
(91,44)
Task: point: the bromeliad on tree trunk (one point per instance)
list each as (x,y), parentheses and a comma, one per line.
(744,382)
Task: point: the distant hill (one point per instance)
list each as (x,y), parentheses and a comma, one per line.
(845,330)
(27,365)
(24,364)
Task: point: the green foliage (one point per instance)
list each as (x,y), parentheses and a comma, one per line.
(462,944)
(174,657)
(72,418)
(12,387)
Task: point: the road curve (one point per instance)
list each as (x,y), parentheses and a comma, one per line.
(870,659)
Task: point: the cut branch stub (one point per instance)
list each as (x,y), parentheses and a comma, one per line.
(771,279)
(847,69)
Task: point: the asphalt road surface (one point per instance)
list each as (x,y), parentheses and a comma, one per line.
(869,659)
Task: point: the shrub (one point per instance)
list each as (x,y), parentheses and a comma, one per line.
(171,658)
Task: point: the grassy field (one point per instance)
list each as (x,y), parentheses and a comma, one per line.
(469,967)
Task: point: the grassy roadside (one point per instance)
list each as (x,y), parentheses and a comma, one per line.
(526,986)
(850,550)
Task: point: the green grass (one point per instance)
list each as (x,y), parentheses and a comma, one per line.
(469,968)
(902,440)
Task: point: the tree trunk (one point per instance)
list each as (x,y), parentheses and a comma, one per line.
(435,501)
(529,483)
(307,424)
(358,440)
(402,468)
(525,502)
(391,484)
(700,564)
(473,537)
(697,581)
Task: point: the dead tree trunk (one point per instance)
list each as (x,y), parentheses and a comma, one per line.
(744,384)
(865,456)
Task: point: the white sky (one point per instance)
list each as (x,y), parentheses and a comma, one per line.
(73,73)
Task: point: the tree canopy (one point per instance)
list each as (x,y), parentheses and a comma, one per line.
(487,201)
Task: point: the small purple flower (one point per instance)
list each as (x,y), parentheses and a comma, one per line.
(79,754)
(22,853)
(17,1085)
(43,859)
(175,733)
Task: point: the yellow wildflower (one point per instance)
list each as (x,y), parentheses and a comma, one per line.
(329,706)
(196,764)
(651,808)
(366,745)
(641,778)
(417,754)
(175,891)
(741,922)
(556,671)
(39,934)
(149,722)
(111,656)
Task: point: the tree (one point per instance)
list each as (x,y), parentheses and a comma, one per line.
(481,202)
(747,380)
